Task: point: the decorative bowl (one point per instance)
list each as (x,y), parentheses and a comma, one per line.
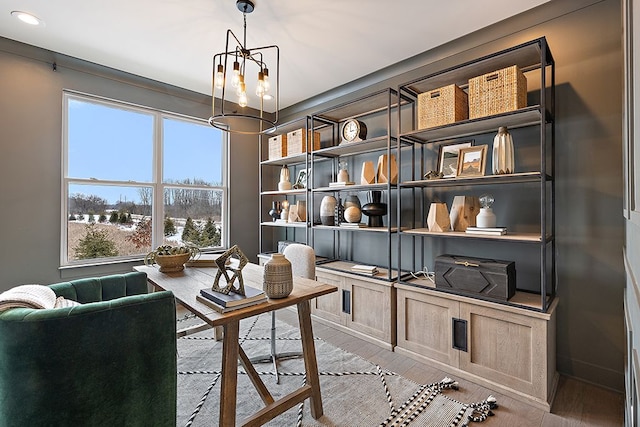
(172,263)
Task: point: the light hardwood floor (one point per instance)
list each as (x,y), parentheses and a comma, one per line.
(576,404)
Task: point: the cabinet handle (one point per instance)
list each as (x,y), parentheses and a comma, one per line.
(346,301)
(435,94)
(459,334)
(467,264)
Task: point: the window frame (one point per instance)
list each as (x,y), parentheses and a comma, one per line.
(156,184)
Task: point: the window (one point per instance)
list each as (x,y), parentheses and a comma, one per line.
(136,178)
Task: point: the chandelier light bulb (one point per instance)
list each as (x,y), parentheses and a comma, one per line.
(220,77)
(260,86)
(242,99)
(235,79)
(265,80)
(242,87)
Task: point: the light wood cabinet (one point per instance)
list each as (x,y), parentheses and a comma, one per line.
(508,349)
(363,306)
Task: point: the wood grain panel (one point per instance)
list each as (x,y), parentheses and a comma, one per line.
(424,326)
(329,306)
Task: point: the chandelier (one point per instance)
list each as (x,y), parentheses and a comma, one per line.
(240,73)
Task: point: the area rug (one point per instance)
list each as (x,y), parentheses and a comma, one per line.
(355,392)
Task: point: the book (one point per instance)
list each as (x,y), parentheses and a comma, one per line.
(353,225)
(221,309)
(366,269)
(341,184)
(493,231)
(253,296)
(204,260)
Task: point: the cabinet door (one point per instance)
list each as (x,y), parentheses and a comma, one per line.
(425,325)
(329,306)
(371,308)
(509,349)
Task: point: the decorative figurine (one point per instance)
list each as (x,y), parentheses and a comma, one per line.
(223,270)
(503,156)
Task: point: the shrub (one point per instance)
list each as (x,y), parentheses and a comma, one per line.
(169,227)
(113,218)
(141,236)
(95,244)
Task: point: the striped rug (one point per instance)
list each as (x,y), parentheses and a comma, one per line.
(355,392)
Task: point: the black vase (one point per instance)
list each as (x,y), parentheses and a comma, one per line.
(375,210)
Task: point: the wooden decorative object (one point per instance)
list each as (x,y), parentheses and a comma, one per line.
(223,270)
(383,169)
(464,210)
(368,175)
(438,218)
(302,210)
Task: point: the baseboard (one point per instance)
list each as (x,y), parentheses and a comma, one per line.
(592,374)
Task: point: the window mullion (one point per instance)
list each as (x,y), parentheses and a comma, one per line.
(158,196)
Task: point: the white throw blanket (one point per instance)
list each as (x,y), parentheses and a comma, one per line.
(33,296)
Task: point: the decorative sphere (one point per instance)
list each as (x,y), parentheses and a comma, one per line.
(352,214)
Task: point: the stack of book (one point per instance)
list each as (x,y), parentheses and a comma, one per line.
(224,303)
(204,260)
(341,184)
(353,225)
(365,269)
(493,231)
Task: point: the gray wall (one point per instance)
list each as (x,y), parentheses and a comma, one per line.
(585,39)
(30,161)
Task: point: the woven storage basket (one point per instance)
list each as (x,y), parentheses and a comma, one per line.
(297,142)
(442,106)
(278,278)
(277,147)
(497,92)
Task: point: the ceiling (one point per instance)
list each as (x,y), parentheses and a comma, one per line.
(323,44)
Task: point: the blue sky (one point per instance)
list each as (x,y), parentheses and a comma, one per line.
(109,143)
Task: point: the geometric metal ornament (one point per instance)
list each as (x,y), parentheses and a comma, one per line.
(224,269)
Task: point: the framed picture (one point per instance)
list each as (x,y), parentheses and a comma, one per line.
(301,179)
(448,159)
(472,161)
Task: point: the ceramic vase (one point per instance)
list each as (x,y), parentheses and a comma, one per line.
(375,210)
(327,210)
(503,156)
(343,176)
(486,218)
(277,280)
(275,210)
(285,179)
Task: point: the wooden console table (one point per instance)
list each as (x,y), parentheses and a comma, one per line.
(186,284)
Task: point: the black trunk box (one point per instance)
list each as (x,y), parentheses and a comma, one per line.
(489,278)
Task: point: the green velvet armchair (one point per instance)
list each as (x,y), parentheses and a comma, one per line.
(108,362)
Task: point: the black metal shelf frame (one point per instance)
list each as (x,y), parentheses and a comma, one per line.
(530,56)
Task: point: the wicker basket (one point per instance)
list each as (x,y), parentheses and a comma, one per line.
(497,92)
(277,147)
(297,142)
(442,106)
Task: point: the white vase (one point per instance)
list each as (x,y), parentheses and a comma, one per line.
(327,210)
(277,280)
(486,218)
(503,156)
(343,176)
(285,179)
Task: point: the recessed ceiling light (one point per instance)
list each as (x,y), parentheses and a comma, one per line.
(27,18)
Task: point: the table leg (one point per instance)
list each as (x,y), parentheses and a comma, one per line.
(228,386)
(309,353)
